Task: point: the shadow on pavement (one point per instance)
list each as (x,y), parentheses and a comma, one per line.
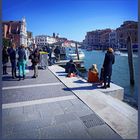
(80,81)
(9,78)
(91,87)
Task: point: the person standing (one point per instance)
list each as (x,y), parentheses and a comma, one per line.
(12,54)
(50,56)
(5,59)
(109,60)
(57,53)
(35,60)
(21,61)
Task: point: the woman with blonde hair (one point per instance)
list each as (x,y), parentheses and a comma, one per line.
(109,60)
(93,74)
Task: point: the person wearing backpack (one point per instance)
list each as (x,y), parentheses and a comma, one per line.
(35,60)
(21,61)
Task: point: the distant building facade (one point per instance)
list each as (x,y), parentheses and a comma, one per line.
(128,28)
(97,39)
(104,38)
(15,31)
(92,39)
(44,40)
(30,39)
(113,40)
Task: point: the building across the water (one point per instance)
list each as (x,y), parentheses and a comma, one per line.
(128,28)
(15,31)
(117,38)
(44,40)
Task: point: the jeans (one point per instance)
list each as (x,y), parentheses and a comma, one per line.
(13,64)
(22,65)
(35,68)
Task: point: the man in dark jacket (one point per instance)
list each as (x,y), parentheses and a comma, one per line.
(12,54)
(57,53)
(107,65)
(35,60)
(5,59)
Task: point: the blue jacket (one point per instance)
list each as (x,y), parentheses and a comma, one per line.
(21,54)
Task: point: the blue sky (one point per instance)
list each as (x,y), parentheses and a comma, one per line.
(70,18)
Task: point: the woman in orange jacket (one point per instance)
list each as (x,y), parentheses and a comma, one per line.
(93,74)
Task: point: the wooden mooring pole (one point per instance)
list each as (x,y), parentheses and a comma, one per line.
(77,51)
(130,60)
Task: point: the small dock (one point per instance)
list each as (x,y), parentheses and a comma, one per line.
(121,117)
(63,62)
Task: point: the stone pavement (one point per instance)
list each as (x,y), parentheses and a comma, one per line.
(108,107)
(44,108)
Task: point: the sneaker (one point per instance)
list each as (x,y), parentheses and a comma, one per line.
(23,77)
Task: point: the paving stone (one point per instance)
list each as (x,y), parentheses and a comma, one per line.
(29,109)
(78,129)
(42,107)
(103,132)
(33,93)
(60,131)
(11,119)
(67,106)
(77,102)
(5,112)
(33,116)
(30,134)
(81,113)
(64,118)
(7,129)
(45,76)
(52,110)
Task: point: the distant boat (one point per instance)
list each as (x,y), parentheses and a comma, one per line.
(117,53)
(73,55)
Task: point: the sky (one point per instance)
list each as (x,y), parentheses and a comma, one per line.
(70,18)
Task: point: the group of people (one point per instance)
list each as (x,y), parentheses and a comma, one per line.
(93,73)
(106,70)
(18,58)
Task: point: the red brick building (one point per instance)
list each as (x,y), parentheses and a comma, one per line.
(15,31)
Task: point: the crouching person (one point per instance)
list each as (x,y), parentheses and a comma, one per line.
(71,69)
(93,76)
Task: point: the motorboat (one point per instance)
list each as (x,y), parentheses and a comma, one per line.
(73,55)
(117,53)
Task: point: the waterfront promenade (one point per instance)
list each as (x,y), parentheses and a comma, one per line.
(44,108)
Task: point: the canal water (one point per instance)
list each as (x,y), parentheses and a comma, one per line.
(120,75)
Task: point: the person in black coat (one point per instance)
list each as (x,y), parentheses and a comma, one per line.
(12,54)
(35,60)
(109,60)
(5,59)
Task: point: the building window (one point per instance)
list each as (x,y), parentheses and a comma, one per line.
(121,35)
